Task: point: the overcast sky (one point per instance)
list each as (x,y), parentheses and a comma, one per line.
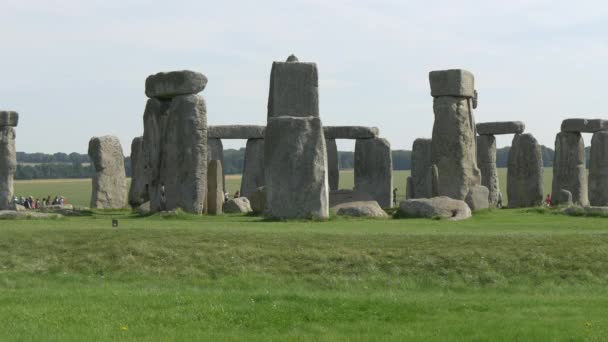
(74,69)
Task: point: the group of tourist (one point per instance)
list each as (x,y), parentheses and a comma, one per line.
(31,203)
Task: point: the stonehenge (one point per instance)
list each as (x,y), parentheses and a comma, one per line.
(598,169)
(215,188)
(420,184)
(333,165)
(442,207)
(138,194)
(8,157)
(569,172)
(253,167)
(525,172)
(294,89)
(167,85)
(373,169)
(109,181)
(236,132)
(215,151)
(584,125)
(486,160)
(501,127)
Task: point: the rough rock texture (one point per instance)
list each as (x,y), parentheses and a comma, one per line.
(477,198)
(109,181)
(598,169)
(253,167)
(215,188)
(350,132)
(237,205)
(144,209)
(166,85)
(137,193)
(565,197)
(443,207)
(374,170)
(525,172)
(584,125)
(295,167)
(409,187)
(215,151)
(422,186)
(333,168)
(434,180)
(361,209)
(500,127)
(453,147)
(294,89)
(569,171)
(175,140)
(258,200)
(8,166)
(9,118)
(486,161)
(453,82)
(236,132)
(338,197)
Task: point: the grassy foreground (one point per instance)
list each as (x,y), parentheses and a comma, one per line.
(504,275)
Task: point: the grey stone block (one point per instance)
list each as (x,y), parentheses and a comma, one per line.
(350,132)
(8,118)
(453,82)
(501,127)
(584,125)
(215,151)
(215,188)
(166,85)
(253,167)
(373,170)
(422,186)
(236,132)
(333,168)
(525,172)
(8,166)
(137,193)
(294,89)
(486,161)
(477,198)
(569,170)
(109,182)
(598,170)
(443,207)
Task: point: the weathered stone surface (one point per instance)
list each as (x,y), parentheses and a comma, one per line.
(215,188)
(144,209)
(236,132)
(333,168)
(339,197)
(565,197)
(155,122)
(569,171)
(435,180)
(295,167)
(584,125)
(258,200)
(477,198)
(137,192)
(374,170)
(294,90)
(9,118)
(237,205)
(453,147)
(453,82)
(14,215)
(486,161)
(501,127)
(598,169)
(109,181)
(350,132)
(166,85)
(215,151)
(525,172)
(8,166)
(361,209)
(409,187)
(253,168)
(443,207)
(422,186)
(183,166)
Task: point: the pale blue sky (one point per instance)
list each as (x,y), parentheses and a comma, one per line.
(74,69)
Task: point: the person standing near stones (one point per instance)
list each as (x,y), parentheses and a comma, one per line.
(548,201)
(395,197)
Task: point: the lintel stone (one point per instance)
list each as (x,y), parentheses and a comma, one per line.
(500,127)
(453,82)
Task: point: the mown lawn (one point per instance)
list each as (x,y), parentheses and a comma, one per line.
(503,275)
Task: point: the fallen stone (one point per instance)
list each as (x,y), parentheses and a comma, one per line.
(525,186)
(258,200)
(294,89)
(565,197)
(422,186)
(361,209)
(15,215)
(443,207)
(137,192)
(338,197)
(166,85)
(350,132)
(236,132)
(8,118)
(598,169)
(503,127)
(144,209)
(109,181)
(453,82)
(295,168)
(569,171)
(215,188)
(253,167)
(477,198)
(333,168)
(584,125)
(8,166)
(374,170)
(486,161)
(237,205)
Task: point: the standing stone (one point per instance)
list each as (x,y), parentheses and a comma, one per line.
(373,170)
(215,151)
(434,180)
(183,169)
(598,170)
(569,171)
(409,188)
(295,167)
(138,193)
(294,89)
(155,121)
(525,172)
(215,188)
(8,165)
(109,181)
(253,167)
(453,144)
(486,160)
(565,198)
(332,164)
(422,186)
(477,198)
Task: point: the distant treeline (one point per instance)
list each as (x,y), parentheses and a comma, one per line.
(75,165)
